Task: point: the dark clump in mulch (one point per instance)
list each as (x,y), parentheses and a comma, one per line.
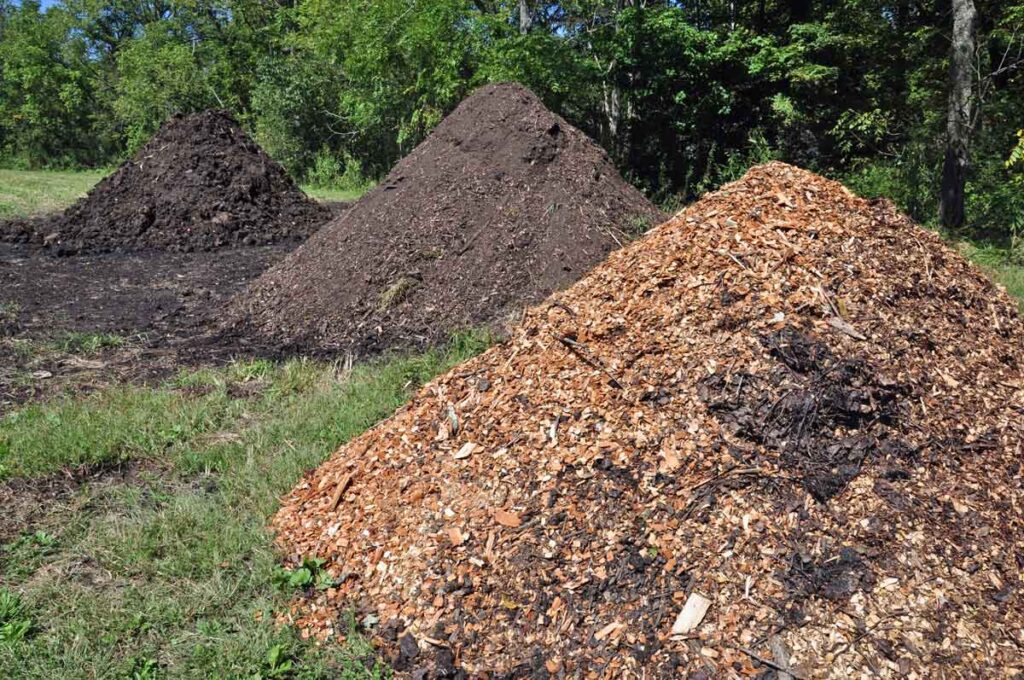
(502,204)
(835,577)
(200,183)
(825,415)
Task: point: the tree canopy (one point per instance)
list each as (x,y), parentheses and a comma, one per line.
(683,95)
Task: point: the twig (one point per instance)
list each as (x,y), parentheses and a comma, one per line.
(581,350)
(734,469)
(771,664)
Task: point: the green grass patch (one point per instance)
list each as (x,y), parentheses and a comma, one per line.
(1000,265)
(76,342)
(173,573)
(333,194)
(33,192)
(107,428)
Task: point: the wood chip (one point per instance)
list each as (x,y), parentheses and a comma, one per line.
(691,615)
(507,519)
(339,491)
(833,425)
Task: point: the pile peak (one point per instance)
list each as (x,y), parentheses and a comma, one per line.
(787,404)
(503,203)
(200,183)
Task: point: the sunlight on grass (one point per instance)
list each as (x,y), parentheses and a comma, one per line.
(172,572)
(328,194)
(33,192)
(997,264)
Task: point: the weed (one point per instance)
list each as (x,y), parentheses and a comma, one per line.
(636,226)
(395,293)
(144,669)
(88,343)
(307,575)
(15,625)
(9,318)
(279,662)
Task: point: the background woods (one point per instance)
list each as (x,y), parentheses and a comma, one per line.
(683,95)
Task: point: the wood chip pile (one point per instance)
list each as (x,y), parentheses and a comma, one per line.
(779,436)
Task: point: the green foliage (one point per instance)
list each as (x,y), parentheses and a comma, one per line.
(15,625)
(279,663)
(340,174)
(88,343)
(1016,159)
(45,92)
(158,78)
(1014,192)
(309,574)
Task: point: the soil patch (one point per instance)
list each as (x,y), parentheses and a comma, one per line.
(160,306)
(200,183)
(790,401)
(503,203)
(27,502)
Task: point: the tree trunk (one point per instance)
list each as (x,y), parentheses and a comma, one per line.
(525,18)
(958,117)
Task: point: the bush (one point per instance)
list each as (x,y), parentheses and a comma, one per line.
(330,172)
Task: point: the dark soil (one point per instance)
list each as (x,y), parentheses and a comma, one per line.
(502,204)
(162,304)
(200,183)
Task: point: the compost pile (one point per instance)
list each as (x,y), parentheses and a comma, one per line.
(502,204)
(789,407)
(200,183)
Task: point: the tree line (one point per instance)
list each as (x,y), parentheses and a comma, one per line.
(920,100)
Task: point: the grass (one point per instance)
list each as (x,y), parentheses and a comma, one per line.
(999,265)
(170,572)
(77,342)
(32,192)
(328,194)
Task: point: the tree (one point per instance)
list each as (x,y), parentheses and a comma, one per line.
(958,115)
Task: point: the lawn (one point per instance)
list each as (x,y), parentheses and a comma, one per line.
(28,192)
(158,563)
(33,192)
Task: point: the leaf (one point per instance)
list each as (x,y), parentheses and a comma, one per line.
(300,578)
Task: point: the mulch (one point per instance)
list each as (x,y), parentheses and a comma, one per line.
(201,183)
(502,204)
(789,412)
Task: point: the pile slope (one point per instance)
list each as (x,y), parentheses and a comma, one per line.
(788,400)
(502,204)
(200,183)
